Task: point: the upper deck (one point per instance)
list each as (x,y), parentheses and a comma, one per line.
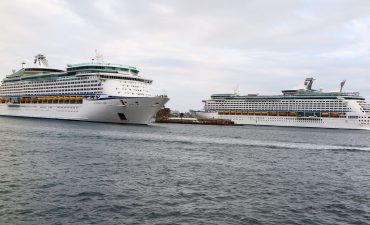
(42,72)
(102,67)
(305,93)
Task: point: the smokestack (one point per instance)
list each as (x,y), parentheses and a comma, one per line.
(341,85)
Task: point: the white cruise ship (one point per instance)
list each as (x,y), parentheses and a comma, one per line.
(294,108)
(96,91)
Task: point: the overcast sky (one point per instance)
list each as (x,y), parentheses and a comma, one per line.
(194,48)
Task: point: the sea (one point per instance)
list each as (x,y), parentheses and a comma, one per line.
(68,172)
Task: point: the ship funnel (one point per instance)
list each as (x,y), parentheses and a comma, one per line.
(41,61)
(308,83)
(341,86)
(99,57)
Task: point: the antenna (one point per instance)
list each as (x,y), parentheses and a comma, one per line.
(23,63)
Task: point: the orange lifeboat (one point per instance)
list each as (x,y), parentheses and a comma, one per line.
(324,114)
(282,113)
(334,114)
(292,114)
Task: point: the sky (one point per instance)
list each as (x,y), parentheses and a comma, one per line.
(194,48)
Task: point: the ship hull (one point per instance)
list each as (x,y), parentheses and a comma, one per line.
(135,110)
(287,121)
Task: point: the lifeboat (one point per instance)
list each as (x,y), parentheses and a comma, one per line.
(334,114)
(324,114)
(257,113)
(244,113)
(220,113)
(251,113)
(238,113)
(54,100)
(27,100)
(292,114)
(272,113)
(79,98)
(264,113)
(282,113)
(23,100)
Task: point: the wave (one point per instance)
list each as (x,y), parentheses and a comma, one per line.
(231,141)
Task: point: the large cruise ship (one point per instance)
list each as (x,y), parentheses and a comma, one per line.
(303,107)
(96,91)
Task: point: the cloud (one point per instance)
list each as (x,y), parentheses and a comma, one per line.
(192,49)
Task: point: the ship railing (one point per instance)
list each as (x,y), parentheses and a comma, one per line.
(350,94)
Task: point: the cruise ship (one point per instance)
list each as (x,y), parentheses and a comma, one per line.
(95,91)
(303,107)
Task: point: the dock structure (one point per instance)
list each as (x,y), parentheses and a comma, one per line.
(164,116)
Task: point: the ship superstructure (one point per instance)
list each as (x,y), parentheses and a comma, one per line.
(95,91)
(303,107)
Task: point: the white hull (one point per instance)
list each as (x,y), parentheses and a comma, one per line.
(287,121)
(133,110)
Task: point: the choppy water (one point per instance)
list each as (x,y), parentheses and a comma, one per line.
(64,172)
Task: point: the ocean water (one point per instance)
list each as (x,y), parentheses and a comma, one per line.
(65,172)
